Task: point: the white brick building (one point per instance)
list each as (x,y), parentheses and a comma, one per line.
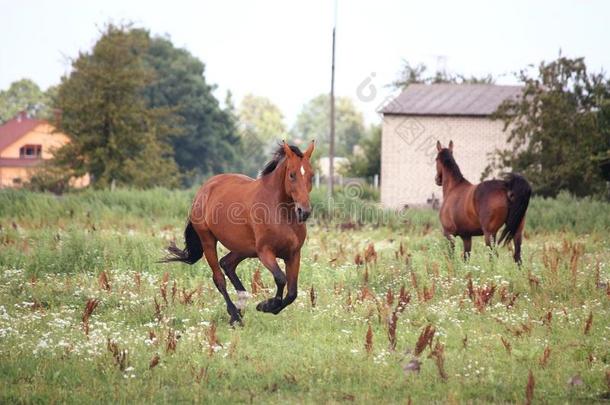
(423,114)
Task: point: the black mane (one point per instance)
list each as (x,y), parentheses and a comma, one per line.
(278,155)
(449,163)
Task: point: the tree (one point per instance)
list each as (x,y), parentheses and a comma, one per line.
(24,95)
(208,141)
(367,162)
(558,128)
(261,125)
(115,136)
(418,74)
(313,122)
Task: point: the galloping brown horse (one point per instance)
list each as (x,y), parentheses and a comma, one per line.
(472,210)
(262,218)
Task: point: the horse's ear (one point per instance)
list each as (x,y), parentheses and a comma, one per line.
(451,146)
(287,151)
(439,147)
(309,151)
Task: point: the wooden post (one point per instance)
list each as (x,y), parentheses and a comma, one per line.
(331,148)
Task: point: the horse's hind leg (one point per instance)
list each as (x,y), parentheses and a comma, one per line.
(467,246)
(229,263)
(451,240)
(517,239)
(209,250)
(491,220)
(490,242)
(273,305)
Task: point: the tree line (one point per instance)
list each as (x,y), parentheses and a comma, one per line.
(140,113)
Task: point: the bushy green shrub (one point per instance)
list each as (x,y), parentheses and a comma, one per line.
(350,204)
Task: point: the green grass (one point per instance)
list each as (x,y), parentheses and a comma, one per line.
(53,250)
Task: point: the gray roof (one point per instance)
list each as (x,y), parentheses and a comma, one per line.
(450,99)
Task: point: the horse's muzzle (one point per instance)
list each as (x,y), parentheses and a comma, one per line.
(302,213)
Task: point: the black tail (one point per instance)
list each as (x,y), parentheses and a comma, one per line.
(192,252)
(519,192)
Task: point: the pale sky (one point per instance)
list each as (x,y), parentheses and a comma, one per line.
(282,49)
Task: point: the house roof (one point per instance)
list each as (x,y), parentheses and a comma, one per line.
(15,128)
(450,99)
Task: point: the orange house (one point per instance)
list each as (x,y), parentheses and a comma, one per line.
(24,144)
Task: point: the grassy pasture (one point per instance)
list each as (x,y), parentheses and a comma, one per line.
(159,333)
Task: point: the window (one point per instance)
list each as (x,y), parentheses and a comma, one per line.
(30,151)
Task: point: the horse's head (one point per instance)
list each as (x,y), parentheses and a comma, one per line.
(440,158)
(298,180)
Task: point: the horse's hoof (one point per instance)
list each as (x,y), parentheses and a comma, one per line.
(273,305)
(277,310)
(236,319)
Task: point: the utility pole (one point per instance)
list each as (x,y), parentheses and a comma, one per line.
(331,148)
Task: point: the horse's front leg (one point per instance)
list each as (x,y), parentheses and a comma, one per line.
(293,266)
(269,260)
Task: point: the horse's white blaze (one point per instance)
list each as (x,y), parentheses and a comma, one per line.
(302,170)
(242,299)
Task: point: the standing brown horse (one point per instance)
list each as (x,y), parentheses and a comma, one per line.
(262,218)
(472,210)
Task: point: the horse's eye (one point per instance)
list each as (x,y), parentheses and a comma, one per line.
(293,176)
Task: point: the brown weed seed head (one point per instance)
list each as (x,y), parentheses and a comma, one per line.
(368,342)
(425,339)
